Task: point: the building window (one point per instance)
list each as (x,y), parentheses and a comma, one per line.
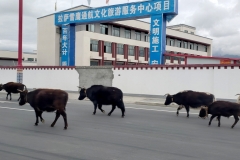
(186,31)
(36,59)
(184,44)
(147,38)
(128,34)
(119,63)
(103,29)
(197,47)
(138,36)
(94,63)
(129,63)
(90,27)
(131,50)
(107,47)
(167,58)
(116,31)
(30,59)
(120,49)
(171,42)
(179,44)
(192,32)
(141,52)
(190,46)
(107,63)
(205,48)
(94,45)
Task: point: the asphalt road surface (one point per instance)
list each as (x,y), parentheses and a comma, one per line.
(146,133)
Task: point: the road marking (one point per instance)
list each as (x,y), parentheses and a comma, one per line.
(157,110)
(16,102)
(17,109)
(126,107)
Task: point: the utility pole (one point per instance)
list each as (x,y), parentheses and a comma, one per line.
(19,66)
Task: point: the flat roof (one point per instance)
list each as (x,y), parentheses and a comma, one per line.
(197,56)
(178,25)
(17,51)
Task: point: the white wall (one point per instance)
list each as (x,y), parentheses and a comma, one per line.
(8,75)
(223,83)
(48,78)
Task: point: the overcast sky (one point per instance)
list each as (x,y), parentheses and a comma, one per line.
(215,19)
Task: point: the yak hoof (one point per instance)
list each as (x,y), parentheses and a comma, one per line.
(103,111)
(36,124)
(109,114)
(42,120)
(65,128)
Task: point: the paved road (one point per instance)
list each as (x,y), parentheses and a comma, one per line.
(146,133)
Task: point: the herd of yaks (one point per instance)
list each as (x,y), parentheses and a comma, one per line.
(51,100)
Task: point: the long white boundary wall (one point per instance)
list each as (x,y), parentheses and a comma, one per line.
(65,79)
(223,82)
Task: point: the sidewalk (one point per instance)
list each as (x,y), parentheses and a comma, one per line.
(135,99)
(149,100)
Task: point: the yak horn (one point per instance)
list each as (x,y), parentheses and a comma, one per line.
(19,90)
(166,94)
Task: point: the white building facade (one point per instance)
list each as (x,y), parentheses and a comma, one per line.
(115,43)
(10,58)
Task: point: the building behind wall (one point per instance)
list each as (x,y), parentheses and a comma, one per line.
(115,43)
(10,58)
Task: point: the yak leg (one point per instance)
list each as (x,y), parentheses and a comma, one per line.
(236,120)
(213,116)
(179,108)
(36,112)
(219,118)
(122,107)
(187,109)
(64,115)
(100,108)
(40,115)
(56,118)
(113,108)
(19,98)
(7,95)
(95,107)
(10,96)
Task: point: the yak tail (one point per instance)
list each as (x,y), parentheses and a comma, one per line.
(65,101)
(214,99)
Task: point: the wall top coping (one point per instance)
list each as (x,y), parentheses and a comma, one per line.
(38,67)
(122,67)
(94,67)
(195,66)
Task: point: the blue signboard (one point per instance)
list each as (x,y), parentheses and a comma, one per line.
(160,11)
(117,12)
(65,46)
(157,39)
